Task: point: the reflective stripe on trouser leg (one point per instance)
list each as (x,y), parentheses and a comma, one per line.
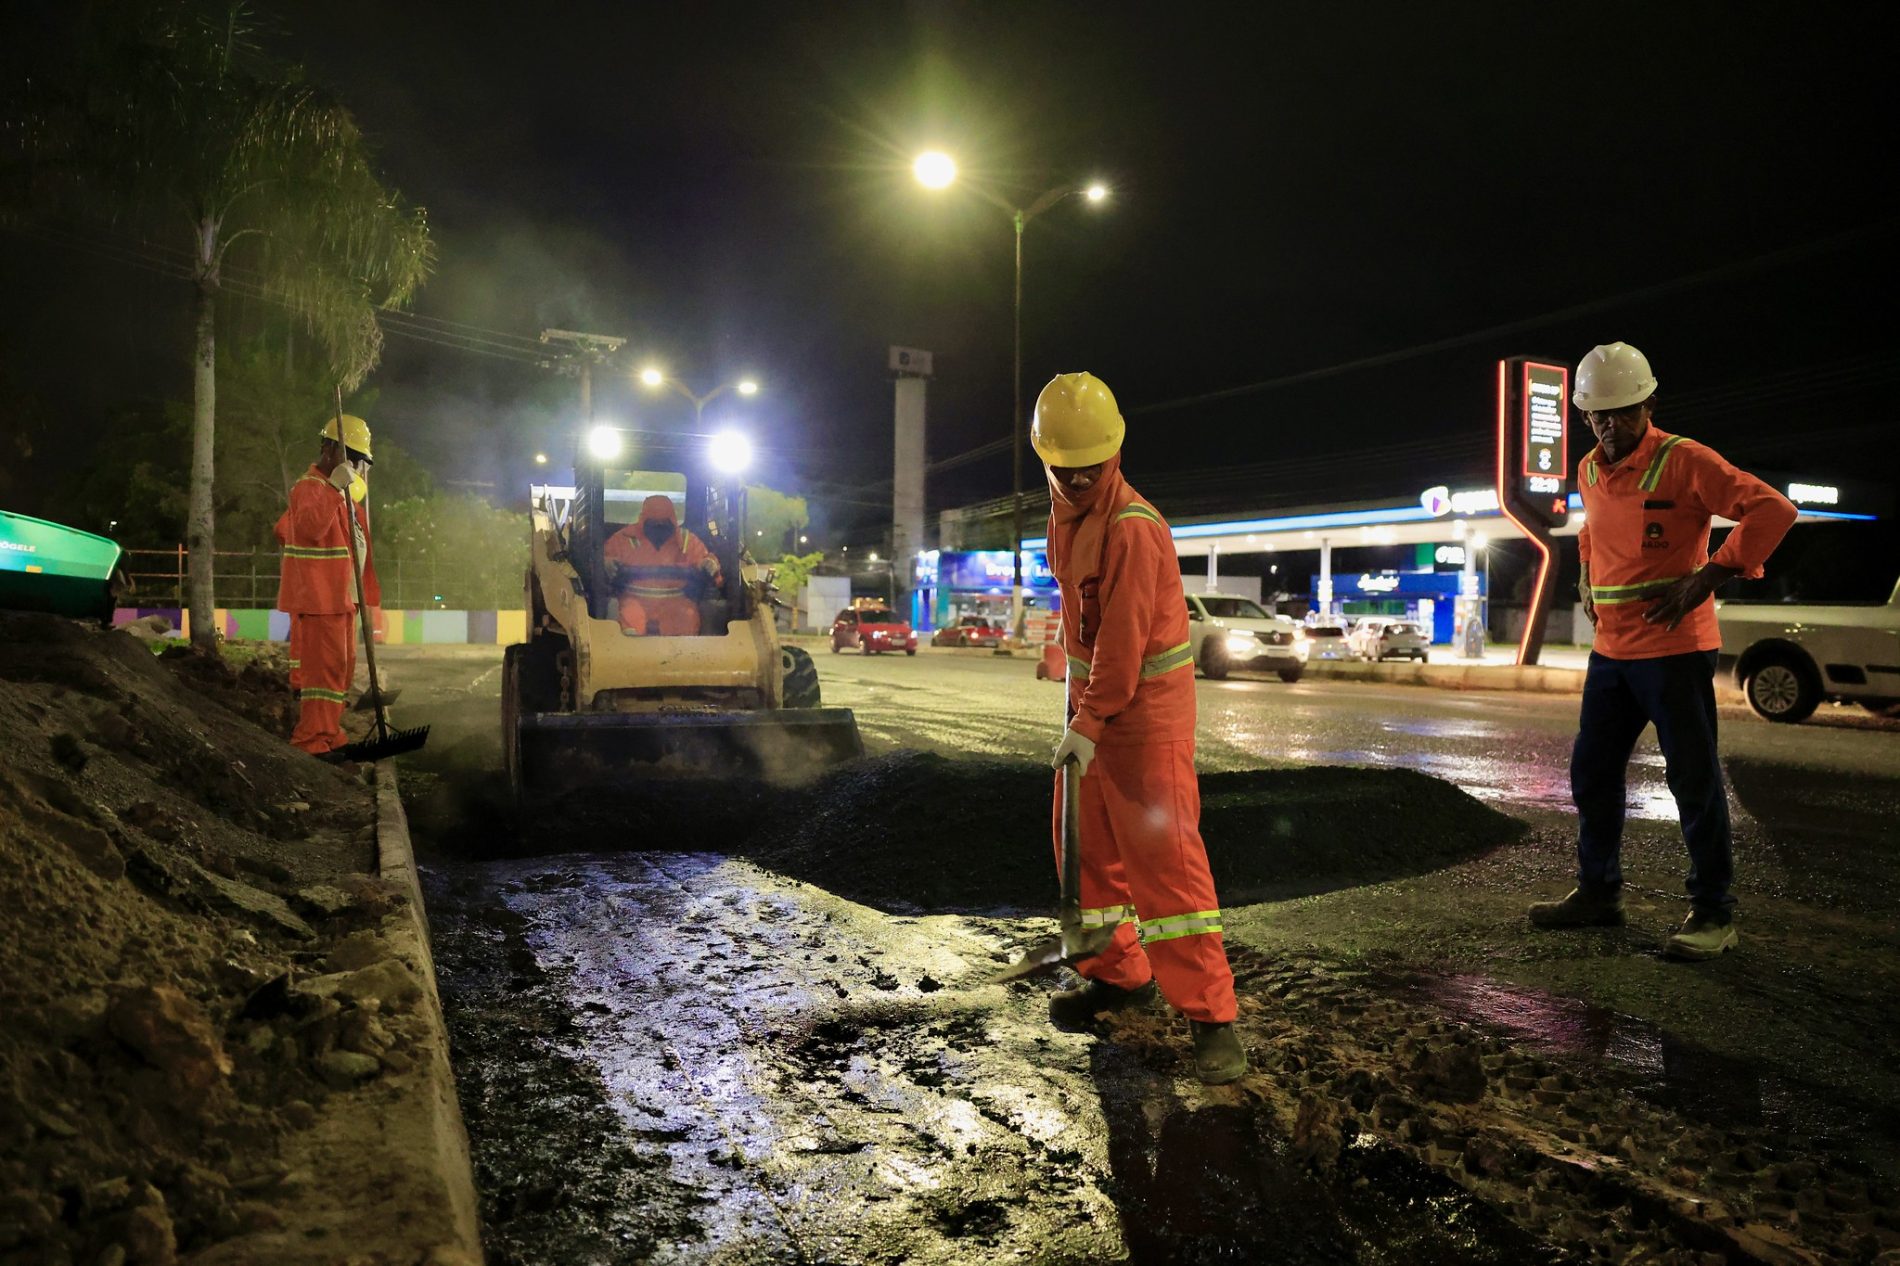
(1152,802)
(1105,895)
(327,654)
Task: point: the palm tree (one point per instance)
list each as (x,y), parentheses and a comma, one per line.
(180,126)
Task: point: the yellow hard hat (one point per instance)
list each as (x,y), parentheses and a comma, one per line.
(1076,422)
(354,434)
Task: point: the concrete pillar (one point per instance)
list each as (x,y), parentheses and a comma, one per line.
(1213,568)
(1324,598)
(907,482)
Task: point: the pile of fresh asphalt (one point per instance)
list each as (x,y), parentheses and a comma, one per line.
(191,958)
(916,832)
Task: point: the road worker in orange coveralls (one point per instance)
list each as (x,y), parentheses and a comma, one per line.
(653,565)
(1131,733)
(1647,582)
(318,588)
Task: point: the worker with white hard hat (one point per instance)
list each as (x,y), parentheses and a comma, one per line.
(1130,732)
(1647,585)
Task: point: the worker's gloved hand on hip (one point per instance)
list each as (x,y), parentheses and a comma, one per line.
(340,477)
(1077,747)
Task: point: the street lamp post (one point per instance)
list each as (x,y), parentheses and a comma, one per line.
(935,170)
(656,378)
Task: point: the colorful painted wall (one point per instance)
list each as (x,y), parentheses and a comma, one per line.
(400,628)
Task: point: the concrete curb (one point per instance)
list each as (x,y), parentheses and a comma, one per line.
(443,1171)
(1456,676)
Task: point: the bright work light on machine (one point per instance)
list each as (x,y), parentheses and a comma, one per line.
(730,452)
(604,443)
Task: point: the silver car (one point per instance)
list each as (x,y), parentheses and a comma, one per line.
(1397,639)
(1326,641)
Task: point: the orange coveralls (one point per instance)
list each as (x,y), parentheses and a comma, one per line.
(1131,691)
(1646,523)
(651,580)
(318,591)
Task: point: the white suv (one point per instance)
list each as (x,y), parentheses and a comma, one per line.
(1788,657)
(1234,634)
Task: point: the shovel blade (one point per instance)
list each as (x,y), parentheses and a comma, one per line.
(369,699)
(1046,957)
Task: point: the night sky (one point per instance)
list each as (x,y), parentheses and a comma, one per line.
(1296,187)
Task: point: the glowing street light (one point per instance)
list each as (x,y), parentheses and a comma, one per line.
(934,169)
(540,459)
(652,376)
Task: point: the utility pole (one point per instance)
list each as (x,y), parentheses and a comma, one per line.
(581,352)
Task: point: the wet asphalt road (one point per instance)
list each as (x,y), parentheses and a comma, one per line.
(680,1057)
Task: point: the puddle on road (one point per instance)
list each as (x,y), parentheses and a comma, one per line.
(1664,1068)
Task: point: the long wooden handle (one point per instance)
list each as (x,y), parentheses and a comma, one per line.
(356,569)
(1071,834)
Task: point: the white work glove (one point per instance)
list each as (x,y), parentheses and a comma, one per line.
(1078,747)
(340,477)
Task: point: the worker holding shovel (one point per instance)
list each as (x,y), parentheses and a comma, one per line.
(318,585)
(1130,737)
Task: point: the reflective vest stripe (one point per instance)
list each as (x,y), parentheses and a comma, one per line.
(1106,916)
(650,591)
(1138,511)
(1606,595)
(1590,473)
(296,663)
(1154,666)
(1167,661)
(316,551)
(1653,475)
(319,693)
(1198,923)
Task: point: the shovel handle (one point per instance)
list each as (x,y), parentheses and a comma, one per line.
(1071,834)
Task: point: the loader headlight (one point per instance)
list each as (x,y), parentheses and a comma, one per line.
(730,452)
(604,443)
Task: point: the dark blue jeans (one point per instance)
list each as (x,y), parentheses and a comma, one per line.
(1675,693)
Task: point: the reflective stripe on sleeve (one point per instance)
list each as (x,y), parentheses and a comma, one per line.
(1198,923)
(1138,511)
(1078,669)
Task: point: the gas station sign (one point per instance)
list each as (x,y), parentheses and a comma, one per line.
(1546,397)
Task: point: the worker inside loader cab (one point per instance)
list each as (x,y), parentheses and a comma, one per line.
(317,588)
(1130,731)
(658,569)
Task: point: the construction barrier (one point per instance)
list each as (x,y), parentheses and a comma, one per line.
(399,628)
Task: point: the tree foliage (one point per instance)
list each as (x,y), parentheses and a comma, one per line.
(774,520)
(455,550)
(242,173)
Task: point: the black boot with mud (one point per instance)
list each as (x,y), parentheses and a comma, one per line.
(1218,1055)
(1581,909)
(1075,1009)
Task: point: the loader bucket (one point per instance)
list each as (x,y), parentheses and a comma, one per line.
(577,751)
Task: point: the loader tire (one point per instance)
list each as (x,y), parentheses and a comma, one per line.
(801,678)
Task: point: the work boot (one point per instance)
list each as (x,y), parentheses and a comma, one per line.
(1581,909)
(1077,1008)
(1218,1057)
(1702,935)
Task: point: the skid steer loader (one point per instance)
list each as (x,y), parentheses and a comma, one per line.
(588,705)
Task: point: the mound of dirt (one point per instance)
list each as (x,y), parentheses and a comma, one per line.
(168,870)
(916,831)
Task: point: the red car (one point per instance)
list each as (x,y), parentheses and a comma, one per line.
(971,630)
(872,629)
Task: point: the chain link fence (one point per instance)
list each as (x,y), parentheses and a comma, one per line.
(247,580)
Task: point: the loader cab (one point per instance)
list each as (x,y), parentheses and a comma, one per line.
(608,494)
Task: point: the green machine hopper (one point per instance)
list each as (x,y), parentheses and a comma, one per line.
(50,567)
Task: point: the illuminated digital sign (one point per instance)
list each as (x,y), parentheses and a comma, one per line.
(1545,406)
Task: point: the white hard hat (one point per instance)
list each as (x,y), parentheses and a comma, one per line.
(1613,376)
